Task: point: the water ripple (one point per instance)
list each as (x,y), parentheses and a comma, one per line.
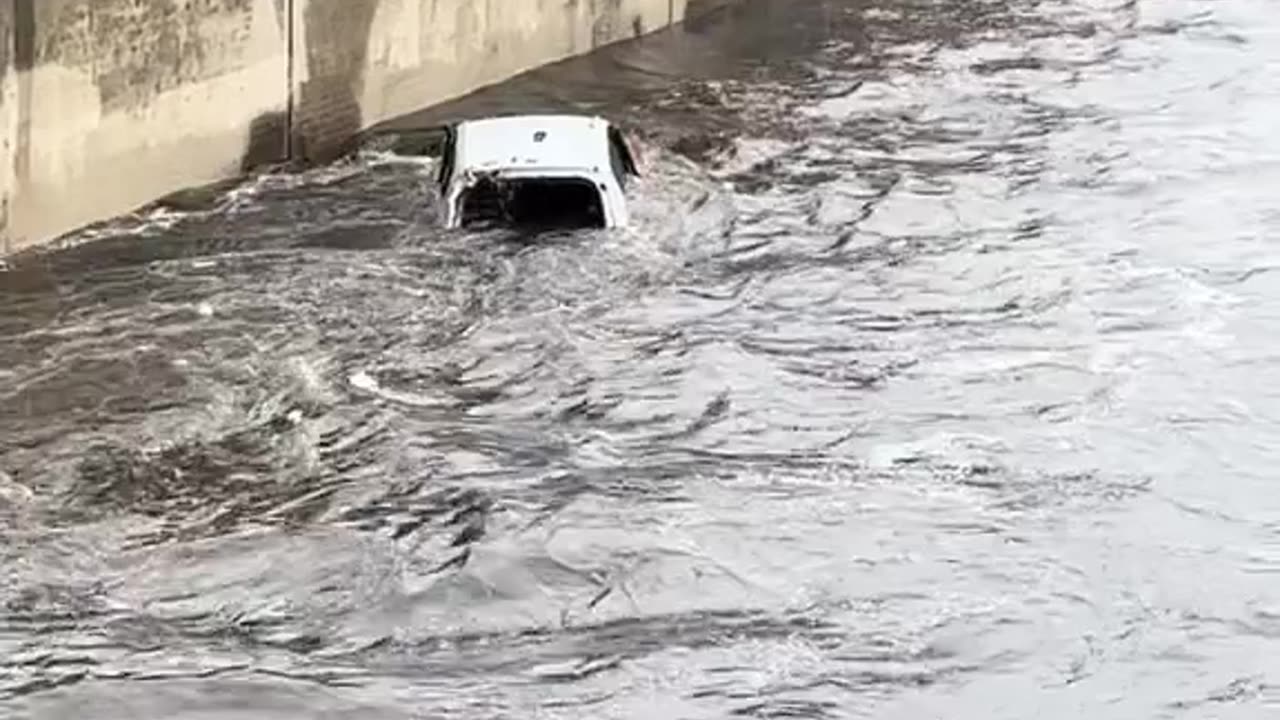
(932,378)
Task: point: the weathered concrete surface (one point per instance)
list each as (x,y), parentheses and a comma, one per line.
(363,62)
(434,51)
(109,104)
(8,116)
(125,100)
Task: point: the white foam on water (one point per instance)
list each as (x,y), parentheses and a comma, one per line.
(362,380)
(13,492)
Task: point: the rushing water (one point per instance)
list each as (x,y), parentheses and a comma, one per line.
(937,378)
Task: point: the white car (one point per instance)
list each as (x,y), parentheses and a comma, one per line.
(535,170)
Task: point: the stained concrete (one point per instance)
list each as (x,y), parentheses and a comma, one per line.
(125,100)
(7,122)
(106,105)
(8,115)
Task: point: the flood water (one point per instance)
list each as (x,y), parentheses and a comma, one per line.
(938,377)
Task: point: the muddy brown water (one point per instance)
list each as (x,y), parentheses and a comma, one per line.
(937,378)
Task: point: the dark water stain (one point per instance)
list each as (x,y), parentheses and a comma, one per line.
(327,111)
(159,45)
(24,36)
(268,142)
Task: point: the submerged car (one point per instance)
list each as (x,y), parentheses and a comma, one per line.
(535,170)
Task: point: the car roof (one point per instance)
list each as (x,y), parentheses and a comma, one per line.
(579,142)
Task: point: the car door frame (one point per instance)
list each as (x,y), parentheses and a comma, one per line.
(448,159)
(620,156)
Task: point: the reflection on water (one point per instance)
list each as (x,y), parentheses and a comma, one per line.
(933,379)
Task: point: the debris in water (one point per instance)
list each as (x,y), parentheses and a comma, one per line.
(13,492)
(577,670)
(363,381)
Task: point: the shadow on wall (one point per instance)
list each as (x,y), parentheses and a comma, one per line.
(327,111)
(325,114)
(17,54)
(267,141)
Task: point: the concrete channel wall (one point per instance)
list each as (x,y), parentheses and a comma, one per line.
(106,105)
(8,115)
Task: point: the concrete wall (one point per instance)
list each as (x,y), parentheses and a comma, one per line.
(8,113)
(358,62)
(106,105)
(123,101)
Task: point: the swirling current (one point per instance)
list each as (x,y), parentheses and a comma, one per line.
(933,379)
